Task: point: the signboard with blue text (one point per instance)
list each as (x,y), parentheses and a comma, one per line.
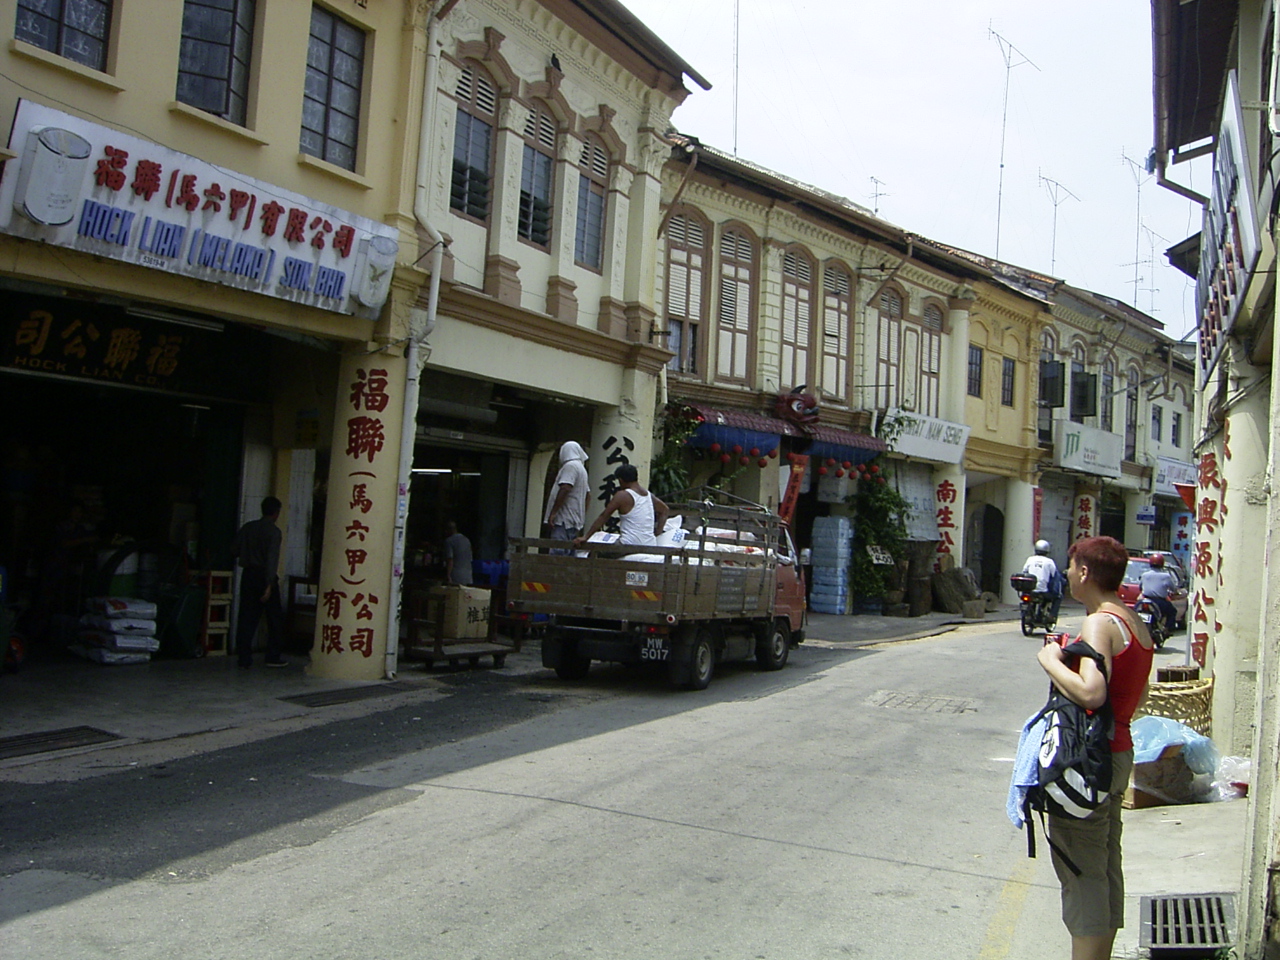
(91,188)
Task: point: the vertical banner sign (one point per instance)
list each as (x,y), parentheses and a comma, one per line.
(355,568)
(799,464)
(1206,559)
(1037,511)
(1181,537)
(1085,517)
(945,496)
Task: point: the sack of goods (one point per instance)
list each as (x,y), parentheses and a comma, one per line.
(121,607)
(117,630)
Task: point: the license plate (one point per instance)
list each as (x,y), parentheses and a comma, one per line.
(1147,617)
(654,648)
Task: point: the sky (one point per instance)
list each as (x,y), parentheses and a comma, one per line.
(838,92)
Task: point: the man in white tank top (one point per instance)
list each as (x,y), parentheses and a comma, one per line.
(641,515)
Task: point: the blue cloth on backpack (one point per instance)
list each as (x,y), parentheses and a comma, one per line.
(1025,767)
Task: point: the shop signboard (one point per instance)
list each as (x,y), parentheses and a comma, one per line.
(1170,471)
(1077,447)
(928,437)
(91,188)
(1229,242)
(1146,514)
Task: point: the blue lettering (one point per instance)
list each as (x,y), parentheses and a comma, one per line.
(297,274)
(248,261)
(212,250)
(330,283)
(86,218)
(195,247)
(168,239)
(124,225)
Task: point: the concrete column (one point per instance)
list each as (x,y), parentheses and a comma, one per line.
(355,565)
(621,434)
(1019,524)
(948,499)
(955,383)
(1136,535)
(502,266)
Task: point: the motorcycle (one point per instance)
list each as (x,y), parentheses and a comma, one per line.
(1036,607)
(1153,617)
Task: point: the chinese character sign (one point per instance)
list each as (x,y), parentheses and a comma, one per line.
(946,497)
(1085,517)
(91,188)
(1205,550)
(355,570)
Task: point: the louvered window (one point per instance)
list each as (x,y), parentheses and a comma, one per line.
(1007,383)
(737,297)
(888,349)
(535,177)
(331,93)
(837,299)
(473,143)
(797,319)
(1131,415)
(686,283)
(930,361)
(592,183)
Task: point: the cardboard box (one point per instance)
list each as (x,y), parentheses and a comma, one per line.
(460,612)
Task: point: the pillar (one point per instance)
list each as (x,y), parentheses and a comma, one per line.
(502,266)
(1019,528)
(955,384)
(1137,535)
(359,528)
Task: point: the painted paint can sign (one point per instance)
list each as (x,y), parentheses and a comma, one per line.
(52,175)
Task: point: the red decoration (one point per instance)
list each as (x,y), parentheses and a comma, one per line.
(846,464)
(822,471)
(755,451)
(873,468)
(762,462)
(773,453)
(744,460)
(839,472)
(715,448)
(737,448)
(831,461)
(725,458)
(880,480)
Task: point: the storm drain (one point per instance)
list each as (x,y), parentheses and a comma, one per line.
(329,698)
(1187,926)
(920,704)
(28,743)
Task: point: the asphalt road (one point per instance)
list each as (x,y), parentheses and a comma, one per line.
(850,805)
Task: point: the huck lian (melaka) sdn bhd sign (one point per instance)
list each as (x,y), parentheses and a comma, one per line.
(90,188)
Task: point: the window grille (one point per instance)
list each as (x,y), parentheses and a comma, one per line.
(331,94)
(213,58)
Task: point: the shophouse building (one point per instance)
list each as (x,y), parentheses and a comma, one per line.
(224,226)
(1214,69)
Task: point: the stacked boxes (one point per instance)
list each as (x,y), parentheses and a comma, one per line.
(832,553)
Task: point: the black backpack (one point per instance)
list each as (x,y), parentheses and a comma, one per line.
(1074,762)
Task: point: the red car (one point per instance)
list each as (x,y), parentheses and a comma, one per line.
(1130,590)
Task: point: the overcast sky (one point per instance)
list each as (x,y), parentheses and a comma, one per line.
(835,92)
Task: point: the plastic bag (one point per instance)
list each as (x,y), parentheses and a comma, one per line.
(1151,735)
(1231,780)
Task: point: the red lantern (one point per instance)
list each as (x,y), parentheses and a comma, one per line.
(725,458)
(755,451)
(762,462)
(880,480)
(744,460)
(773,453)
(715,448)
(831,461)
(822,471)
(737,448)
(873,468)
(839,472)
(846,464)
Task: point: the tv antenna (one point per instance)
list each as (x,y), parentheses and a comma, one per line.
(1013,57)
(876,194)
(736,46)
(1140,178)
(1058,194)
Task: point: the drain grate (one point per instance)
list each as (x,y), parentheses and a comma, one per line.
(1187,926)
(26,744)
(329,698)
(920,704)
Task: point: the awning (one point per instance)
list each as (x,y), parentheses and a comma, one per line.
(760,431)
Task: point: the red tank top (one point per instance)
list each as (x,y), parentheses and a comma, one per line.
(1130,671)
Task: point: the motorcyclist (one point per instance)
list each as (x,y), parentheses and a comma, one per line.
(1156,583)
(1048,580)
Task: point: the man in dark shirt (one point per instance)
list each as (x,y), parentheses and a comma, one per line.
(257,547)
(457,556)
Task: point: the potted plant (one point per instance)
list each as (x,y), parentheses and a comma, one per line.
(879,513)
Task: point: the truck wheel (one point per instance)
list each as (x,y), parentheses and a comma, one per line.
(702,661)
(773,649)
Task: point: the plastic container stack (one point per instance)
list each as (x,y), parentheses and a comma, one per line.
(832,553)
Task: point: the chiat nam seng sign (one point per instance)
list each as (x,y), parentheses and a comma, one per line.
(90,188)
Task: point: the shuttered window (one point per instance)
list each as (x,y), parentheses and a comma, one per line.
(75,29)
(737,296)
(837,299)
(331,92)
(1106,401)
(214,55)
(593,179)
(888,349)
(686,283)
(797,319)
(473,143)
(1131,415)
(1007,384)
(534,222)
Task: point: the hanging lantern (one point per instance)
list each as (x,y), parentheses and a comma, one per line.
(822,471)
(831,461)
(880,480)
(846,464)
(715,448)
(773,453)
(737,448)
(725,458)
(755,451)
(744,460)
(839,471)
(762,462)
(873,468)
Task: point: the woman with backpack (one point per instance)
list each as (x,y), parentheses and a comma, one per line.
(1093,901)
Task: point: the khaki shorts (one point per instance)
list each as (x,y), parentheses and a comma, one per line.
(1093,903)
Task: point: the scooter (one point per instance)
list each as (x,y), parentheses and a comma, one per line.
(1153,617)
(1036,607)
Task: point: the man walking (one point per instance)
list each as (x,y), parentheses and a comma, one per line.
(567,502)
(257,547)
(457,556)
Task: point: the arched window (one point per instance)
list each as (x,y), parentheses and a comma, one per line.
(888,347)
(737,298)
(1106,400)
(837,313)
(1050,385)
(534,223)
(797,318)
(473,142)
(1082,403)
(686,286)
(593,183)
(1132,381)
(928,361)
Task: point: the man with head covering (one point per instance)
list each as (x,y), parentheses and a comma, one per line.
(567,502)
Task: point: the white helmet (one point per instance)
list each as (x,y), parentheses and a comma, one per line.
(1042,546)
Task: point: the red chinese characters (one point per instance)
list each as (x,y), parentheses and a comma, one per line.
(110,170)
(945,494)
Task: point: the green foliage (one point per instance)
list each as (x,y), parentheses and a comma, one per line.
(670,471)
(879,518)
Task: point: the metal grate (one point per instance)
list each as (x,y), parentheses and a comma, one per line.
(329,698)
(1187,926)
(28,743)
(921,704)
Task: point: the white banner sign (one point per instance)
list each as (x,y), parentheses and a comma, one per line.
(928,437)
(1170,471)
(88,187)
(1078,447)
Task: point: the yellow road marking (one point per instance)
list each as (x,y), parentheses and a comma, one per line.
(1004,922)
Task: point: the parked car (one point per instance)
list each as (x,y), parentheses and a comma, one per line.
(1130,589)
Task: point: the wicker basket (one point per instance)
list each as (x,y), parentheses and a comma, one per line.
(1187,701)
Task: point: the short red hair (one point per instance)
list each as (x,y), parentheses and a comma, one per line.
(1105,557)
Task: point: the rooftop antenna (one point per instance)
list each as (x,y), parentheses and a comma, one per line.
(876,194)
(1140,178)
(1013,57)
(1058,194)
(736,44)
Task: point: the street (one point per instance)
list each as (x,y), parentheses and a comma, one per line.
(851,805)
